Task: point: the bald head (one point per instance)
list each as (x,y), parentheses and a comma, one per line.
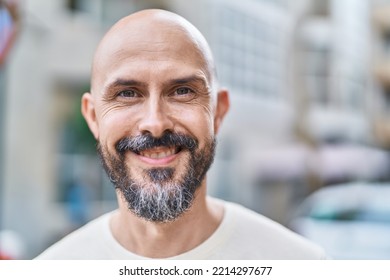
(155,35)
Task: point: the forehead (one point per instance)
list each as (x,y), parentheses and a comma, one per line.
(147,51)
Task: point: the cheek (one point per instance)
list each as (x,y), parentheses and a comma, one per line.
(114,127)
(199,121)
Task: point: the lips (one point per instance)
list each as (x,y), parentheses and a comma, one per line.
(159,155)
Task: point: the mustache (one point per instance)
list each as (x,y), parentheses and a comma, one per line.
(143,142)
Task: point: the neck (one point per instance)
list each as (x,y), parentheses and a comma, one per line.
(163,240)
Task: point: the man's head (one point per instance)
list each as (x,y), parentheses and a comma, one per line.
(155,110)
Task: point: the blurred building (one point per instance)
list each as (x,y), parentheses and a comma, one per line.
(300,79)
(342,96)
(381,71)
(334,52)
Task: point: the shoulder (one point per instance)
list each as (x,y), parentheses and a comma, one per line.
(84,243)
(260,237)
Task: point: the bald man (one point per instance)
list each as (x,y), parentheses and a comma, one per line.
(155,110)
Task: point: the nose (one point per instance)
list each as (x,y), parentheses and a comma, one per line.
(155,118)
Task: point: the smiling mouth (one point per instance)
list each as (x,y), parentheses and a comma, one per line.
(159,152)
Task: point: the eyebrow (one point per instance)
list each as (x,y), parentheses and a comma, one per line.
(189,79)
(124,82)
(179,81)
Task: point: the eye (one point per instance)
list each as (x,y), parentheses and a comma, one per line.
(183,91)
(128,93)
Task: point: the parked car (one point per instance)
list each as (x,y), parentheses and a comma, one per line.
(350,221)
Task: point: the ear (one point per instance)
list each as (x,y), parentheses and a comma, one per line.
(89,113)
(222,107)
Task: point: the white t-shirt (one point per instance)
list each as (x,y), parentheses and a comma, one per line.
(242,234)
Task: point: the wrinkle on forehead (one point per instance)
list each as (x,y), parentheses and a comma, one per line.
(146,33)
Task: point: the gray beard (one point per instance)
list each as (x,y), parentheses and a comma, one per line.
(158,197)
(159,202)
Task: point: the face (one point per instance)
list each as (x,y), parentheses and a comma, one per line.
(154,114)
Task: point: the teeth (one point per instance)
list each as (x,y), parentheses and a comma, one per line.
(158,155)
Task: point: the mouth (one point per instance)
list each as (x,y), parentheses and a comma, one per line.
(159,155)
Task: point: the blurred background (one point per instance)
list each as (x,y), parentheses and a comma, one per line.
(306,142)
